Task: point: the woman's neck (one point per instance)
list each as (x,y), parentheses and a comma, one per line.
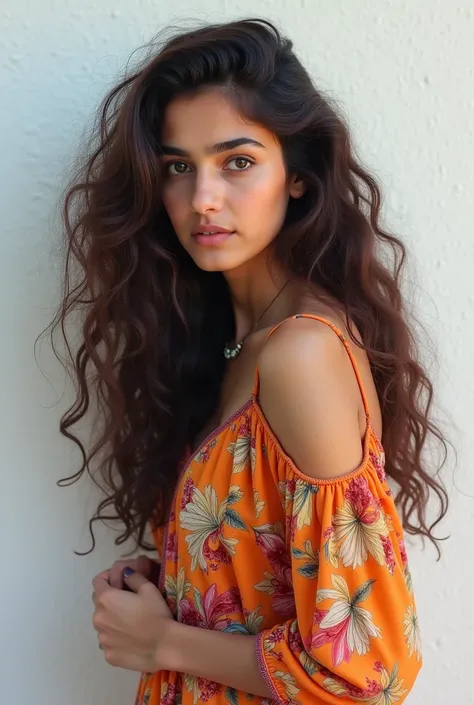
(253,287)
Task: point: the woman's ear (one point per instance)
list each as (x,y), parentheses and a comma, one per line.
(297,187)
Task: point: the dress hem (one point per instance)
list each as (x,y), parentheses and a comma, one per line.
(264,670)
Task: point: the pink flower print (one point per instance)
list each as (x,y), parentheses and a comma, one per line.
(293,527)
(172,547)
(210,611)
(378,463)
(336,635)
(169,696)
(362,500)
(389,554)
(328,532)
(207,689)
(204,518)
(388,690)
(403,550)
(295,641)
(215,552)
(190,615)
(290,488)
(202,456)
(275,636)
(279,585)
(345,625)
(359,526)
(219,607)
(373,688)
(274,548)
(187,495)
(244,429)
(284,601)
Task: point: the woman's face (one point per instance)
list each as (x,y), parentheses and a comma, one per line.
(208,181)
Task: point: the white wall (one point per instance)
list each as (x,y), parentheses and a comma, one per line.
(404,72)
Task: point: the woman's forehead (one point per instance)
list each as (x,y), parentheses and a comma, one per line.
(207,119)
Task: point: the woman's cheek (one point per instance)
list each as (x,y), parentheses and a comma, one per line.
(175,205)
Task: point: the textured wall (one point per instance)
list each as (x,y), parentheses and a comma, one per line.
(404,73)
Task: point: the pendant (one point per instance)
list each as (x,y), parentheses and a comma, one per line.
(230,353)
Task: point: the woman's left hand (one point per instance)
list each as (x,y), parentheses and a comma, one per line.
(132,626)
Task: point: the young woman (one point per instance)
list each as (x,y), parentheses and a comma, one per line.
(245,341)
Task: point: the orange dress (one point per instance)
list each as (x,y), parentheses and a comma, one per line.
(316,568)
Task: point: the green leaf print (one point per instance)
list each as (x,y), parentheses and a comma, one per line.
(298,553)
(309,664)
(235,494)
(253,620)
(198,601)
(236,628)
(232,518)
(231,696)
(362,592)
(309,570)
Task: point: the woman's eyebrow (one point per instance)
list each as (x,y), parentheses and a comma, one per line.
(215,148)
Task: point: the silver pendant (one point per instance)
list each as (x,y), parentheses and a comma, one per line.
(230,353)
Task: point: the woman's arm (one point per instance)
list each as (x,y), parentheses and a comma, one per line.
(228,659)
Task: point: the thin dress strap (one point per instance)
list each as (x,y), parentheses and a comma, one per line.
(343,339)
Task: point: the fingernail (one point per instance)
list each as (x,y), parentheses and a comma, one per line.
(127,572)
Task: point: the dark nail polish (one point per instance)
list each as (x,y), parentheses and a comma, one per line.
(127,572)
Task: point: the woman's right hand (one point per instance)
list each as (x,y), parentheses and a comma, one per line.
(143,564)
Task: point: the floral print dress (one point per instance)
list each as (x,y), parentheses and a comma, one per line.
(317,569)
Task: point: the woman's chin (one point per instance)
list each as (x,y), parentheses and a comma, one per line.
(216,261)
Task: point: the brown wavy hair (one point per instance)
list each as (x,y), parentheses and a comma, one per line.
(149,364)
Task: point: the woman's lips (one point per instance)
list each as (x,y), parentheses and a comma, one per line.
(211,240)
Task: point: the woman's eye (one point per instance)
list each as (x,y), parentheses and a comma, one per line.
(242,163)
(178,167)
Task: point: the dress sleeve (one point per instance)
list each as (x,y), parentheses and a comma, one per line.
(355,637)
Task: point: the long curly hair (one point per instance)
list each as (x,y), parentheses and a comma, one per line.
(149,362)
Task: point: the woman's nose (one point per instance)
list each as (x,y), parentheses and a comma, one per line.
(208,194)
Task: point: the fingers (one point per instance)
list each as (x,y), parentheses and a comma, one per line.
(135,581)
(101,583)
(116,574)
(142,565)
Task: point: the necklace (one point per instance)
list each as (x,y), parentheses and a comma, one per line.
(230,352)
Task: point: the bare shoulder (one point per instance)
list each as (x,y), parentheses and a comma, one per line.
(303,345)
(310,396)
(301,335)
